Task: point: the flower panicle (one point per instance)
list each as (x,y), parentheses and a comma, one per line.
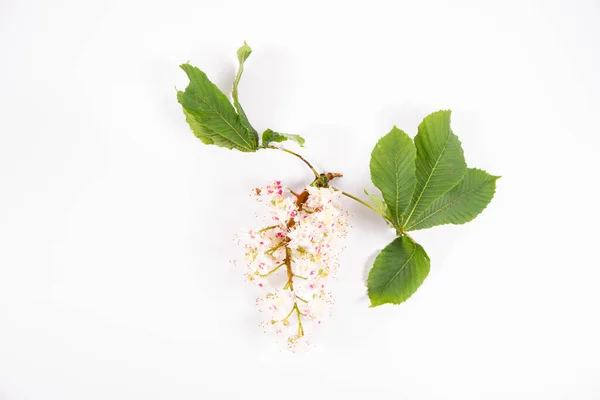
(292,260)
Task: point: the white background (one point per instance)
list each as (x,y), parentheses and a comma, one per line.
(116,224)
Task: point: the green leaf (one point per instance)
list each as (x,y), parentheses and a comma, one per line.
(202,133)
(393,171)
(397,273)
(462,203)
(270,136)
(242,54)
(440,162)
(380,206)
(210,114)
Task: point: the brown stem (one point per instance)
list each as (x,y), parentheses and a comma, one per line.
(328,176)
(300,200)
(288,267)
(314,171)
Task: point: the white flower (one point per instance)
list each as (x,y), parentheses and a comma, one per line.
(292,259)
(284,209)
(317,302)
(277,303)
(322,198)
(303,266)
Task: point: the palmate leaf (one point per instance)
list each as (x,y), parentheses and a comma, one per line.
(393,171)
(270,136)
(423,185)
(242,54)
(210,114)
(440,163)
(397,273)
(461,204)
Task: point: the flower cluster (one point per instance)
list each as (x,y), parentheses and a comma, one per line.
(291,259)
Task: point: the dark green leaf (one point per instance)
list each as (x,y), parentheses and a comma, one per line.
(242,54)
(440,163)
(393,171)
(461,204)
(270,136)
(210,114)
(397,273)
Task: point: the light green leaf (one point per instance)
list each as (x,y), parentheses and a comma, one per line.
(210,114)
(202,133)
(270,136)
(242,54)
(461,204)
(440,163)
(393,171)
(380,207)
(397,273)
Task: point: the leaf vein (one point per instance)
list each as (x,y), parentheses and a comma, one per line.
(402,267)
(205,101)
(428,179)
